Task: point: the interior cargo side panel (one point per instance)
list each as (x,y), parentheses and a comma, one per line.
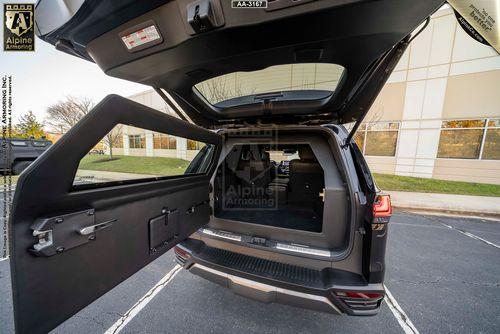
(336,218)
(94,267)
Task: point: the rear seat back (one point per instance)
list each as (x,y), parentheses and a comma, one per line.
(306,177)
(255,167)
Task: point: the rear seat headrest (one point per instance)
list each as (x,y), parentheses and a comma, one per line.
(305,153)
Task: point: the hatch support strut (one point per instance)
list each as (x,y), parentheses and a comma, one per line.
(170,104)
(371,88)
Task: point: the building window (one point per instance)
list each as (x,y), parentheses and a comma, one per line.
(164,142)
(491,142)
(359,137)
(194,145)
(137,141)
(470,139)
(378,139)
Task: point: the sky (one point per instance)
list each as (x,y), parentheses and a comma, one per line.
(46,76)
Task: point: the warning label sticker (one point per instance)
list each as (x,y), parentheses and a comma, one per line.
(141,37)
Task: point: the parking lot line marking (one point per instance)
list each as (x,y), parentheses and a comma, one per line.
(417,225)
(470,235)
(141,303)
(456,215)
(4,258)
(399,314)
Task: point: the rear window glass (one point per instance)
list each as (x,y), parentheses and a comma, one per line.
(280,78)
(18,143)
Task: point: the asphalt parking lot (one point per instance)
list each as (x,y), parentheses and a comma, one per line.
(443,272)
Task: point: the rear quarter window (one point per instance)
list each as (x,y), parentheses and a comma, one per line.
(18,143)
(40,143)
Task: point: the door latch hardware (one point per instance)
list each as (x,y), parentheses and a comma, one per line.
(163,229)
(92,229)
(60,233)
(192,209)
(44,239)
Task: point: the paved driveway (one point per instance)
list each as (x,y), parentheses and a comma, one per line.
(443,272)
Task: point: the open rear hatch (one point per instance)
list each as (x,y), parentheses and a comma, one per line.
(325,61)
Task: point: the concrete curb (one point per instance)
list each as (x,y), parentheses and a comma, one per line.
(469,213)
(481,206)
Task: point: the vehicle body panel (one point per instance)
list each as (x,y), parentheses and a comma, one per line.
(21,150)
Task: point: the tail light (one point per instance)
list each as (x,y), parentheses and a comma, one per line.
(359,294)
(181,254)
(361,300)
(382,209)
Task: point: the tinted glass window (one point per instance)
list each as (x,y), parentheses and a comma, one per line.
(128,153)
(18,143)
(378,138)
(279,78)
(463,143)
(381,143)
(491,149)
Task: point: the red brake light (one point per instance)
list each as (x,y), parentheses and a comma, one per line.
(382,206)
(181,253)
(359,295)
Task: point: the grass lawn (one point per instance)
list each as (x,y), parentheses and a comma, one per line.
(174,166)
(139,165)
(417,184)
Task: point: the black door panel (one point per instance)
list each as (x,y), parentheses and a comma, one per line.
(93,239)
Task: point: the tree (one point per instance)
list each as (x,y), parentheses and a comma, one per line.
(29,127)
(113,138)
(223,88)
(65,114)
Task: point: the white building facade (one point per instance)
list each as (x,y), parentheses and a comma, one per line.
(444,101)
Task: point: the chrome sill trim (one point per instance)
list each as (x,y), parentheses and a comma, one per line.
(222,234)
(302,249)
(295,248)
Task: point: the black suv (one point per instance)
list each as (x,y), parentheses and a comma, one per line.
(312,234)
(16,154)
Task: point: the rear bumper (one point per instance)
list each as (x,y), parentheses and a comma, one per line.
(272,282)
(264,292)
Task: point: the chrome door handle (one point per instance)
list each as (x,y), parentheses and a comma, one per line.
(93,228)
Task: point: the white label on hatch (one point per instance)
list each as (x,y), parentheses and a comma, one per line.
(141,37)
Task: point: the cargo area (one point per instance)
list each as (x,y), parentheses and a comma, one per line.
(284,185)
(278,185)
